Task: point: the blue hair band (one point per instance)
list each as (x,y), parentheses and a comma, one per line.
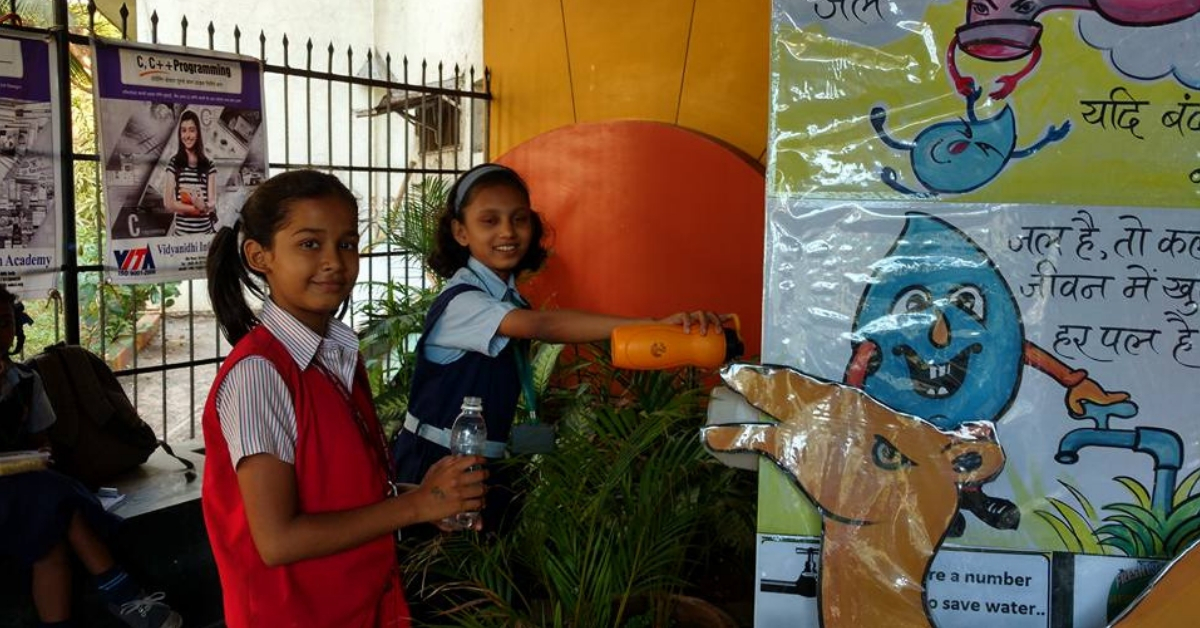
(470,179)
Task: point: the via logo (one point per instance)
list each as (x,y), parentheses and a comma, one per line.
(134,259)
(658,349)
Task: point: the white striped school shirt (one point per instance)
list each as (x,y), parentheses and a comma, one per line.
(254,405)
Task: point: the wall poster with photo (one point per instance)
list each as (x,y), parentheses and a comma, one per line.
(183,142)
(30,240)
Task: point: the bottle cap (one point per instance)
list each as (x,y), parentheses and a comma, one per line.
(475,402)
(734,346)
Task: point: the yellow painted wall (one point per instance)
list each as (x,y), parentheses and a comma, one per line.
(701,64)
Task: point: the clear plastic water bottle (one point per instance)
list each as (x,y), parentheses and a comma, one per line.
(467,438)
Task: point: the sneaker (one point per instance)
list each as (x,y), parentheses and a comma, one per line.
(997,512)
(148,611)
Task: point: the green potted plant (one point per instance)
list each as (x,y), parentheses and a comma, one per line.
(395,313)
(615,524)
(624,524)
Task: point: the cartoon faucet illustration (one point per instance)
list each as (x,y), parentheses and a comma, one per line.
(1004,31)
(1164,446)
(805,585)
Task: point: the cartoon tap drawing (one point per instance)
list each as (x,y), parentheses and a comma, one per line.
(1000,30)
(805,585)
(958,156)
(1163,446)
(886,485)
(938,335)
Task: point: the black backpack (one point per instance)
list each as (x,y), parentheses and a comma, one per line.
(97,434)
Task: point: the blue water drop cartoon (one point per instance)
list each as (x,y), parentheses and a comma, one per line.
(945,325)
(958,156)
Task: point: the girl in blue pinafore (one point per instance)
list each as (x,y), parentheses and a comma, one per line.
(474,340)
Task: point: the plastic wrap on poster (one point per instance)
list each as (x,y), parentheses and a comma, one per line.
(1067,101)
(978,214)
(30,177)
(887,484)
(182,144)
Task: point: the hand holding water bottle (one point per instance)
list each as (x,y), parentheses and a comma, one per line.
(452,485)
(468,436)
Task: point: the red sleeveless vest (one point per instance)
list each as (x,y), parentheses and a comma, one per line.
(335,470)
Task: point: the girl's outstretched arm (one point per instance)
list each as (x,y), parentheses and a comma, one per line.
(282,534)
(570,326)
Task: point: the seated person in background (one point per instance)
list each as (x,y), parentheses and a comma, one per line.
(44,514)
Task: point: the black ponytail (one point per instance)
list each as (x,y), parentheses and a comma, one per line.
(227,274)
(263,214)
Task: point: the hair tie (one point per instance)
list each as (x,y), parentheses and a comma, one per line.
(470,179)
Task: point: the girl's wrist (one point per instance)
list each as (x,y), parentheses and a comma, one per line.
(409,509)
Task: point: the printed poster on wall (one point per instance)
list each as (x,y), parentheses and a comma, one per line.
(183,141)
(986,212)
(30,240)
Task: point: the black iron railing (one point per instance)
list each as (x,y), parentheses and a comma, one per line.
(380,123)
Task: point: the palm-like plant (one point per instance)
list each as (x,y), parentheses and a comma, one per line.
(410,224)
(395,313)
(613,523)
(1135,528)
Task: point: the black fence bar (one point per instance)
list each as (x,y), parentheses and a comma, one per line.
(174,366)
(424,140)
(67,174)
(351,168)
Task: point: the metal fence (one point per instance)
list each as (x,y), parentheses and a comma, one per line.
(382,124)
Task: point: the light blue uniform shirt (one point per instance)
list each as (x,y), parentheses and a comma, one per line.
(472,319)
(41,414)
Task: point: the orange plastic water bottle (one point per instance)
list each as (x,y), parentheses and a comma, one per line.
(654,346)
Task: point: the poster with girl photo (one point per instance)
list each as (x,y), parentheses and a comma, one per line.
(182,145)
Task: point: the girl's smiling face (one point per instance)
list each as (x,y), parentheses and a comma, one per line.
(312,261)
(496,226)
(187,134)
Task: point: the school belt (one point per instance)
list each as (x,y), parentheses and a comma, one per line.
(441,436)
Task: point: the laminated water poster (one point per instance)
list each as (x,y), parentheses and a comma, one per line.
(183,141)
(982,214)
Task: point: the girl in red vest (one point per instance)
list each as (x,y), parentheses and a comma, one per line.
(296,494)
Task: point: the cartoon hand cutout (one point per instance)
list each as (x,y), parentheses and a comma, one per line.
(1057,133)
(1089,390)
(1008,85)
(965,85)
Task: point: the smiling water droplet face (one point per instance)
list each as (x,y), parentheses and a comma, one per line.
(961,155)
(946,327)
